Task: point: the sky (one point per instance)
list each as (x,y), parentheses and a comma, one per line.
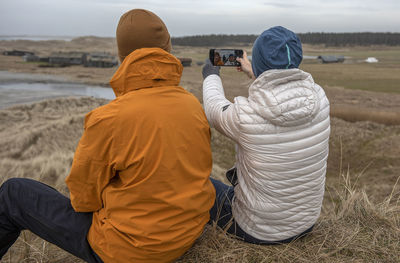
(185,18)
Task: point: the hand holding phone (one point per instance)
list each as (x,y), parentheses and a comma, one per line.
(225,57)
(245,66)
(209,69)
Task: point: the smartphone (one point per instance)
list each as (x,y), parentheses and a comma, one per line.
(225,57)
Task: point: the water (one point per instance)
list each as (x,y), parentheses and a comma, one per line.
(27,88)
(12,77)
(37,38)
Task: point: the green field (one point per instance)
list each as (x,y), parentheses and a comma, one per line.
(354,73)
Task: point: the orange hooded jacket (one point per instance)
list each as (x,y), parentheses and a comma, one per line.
(143,163)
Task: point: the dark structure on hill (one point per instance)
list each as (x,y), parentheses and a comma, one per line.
(17,53)
(186,62)
(100,60)
(30,58)
(351,39)
(67,58)
(34,58)
(331,59)
(327,39)
(97,59)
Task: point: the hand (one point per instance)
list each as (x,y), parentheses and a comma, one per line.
(209,69)
(245,66)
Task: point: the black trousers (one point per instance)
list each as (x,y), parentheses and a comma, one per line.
(29,204)
(221,212)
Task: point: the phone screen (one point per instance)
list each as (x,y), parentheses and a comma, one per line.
(225,57)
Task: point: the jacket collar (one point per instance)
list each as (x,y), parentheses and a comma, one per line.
(285,97)
(146,68)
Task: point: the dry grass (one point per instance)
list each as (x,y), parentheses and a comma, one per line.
(360,217)
(38,140)
(353,114)
(354,73)
(360,220)
(352,230)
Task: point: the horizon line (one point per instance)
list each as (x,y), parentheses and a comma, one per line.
(208,34)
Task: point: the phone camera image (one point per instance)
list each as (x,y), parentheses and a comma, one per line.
(225,57)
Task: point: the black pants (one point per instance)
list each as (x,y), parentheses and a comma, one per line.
(221,212)
(29,204)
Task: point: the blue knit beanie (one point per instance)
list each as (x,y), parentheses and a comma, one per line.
(276,48)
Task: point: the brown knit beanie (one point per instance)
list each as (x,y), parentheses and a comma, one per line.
(140,28)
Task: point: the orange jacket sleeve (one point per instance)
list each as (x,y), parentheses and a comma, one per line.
(92,167)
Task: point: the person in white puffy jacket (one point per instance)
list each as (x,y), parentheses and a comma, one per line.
(281,131)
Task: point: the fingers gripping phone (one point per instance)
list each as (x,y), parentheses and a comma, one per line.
(225,57)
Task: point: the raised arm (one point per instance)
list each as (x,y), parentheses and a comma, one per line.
(220,112)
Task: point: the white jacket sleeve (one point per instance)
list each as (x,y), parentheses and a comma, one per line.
(221,113)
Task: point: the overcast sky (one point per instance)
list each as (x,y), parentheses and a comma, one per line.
(100,17)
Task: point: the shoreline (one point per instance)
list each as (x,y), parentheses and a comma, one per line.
(347,102)
(8,77)
(26,88)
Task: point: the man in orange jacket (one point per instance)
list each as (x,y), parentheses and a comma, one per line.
(139,183)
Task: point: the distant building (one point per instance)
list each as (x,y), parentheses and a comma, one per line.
(17,53)
(371,60)
(309,57)
(186,62)
(101,60)
(44,59)
(331,59)
(34,58)
(67,58)
(30,58)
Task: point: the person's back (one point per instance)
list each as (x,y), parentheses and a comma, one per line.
(153,141)
(139,182)
(156,137)
(282,132)
(282,151)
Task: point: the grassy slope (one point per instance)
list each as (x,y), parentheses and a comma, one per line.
(354,226)
(353,230)
(38,141)
(355,74)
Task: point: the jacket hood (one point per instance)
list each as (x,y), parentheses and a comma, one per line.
(285,97)
(146,68)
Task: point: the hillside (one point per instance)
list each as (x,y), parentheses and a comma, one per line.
(312,38)
(360,220)
(38,141)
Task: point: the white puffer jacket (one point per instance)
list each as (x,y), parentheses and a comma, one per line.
(281,132)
